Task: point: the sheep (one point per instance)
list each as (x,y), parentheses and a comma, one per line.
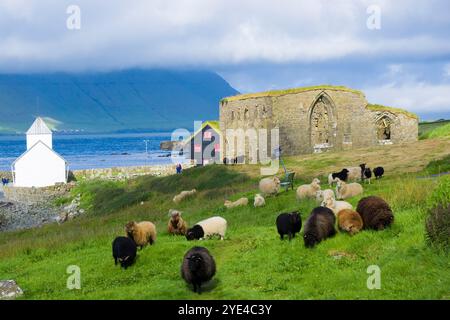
(269,186)
(322,195)
(289,223)
(375,212)
(259,201)
(335,205)
(176,225)
(183,195)
(237,203)
(308,190)
(124,250)
(207,228)
(319,226)
(198,267)
(342,175)
(349,221)
(366,173)
(142,233)
(378,172)
(345,191)
(354,173)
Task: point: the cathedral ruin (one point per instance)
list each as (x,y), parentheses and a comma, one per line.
(316,119)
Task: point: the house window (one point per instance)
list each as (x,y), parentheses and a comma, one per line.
(217,147)
(207,135)
(197,148)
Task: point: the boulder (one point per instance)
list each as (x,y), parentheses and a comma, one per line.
(9,290)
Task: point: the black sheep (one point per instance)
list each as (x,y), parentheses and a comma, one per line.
(198,267)
(375,212)
(342,175)
(124,251)
(367,174)
(289,223)
(319,226)
(378,172)
(195,233)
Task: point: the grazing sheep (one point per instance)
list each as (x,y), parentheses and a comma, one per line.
(342,175)
(308,190)
(349,221)
(198,267)
(176,225)
(289,223)
(237,203)
(367,174)
(207,228)
(142,233)
(183,195)
(319,226)
(335,205)
(345,191)
(322,195)
(124,250)
(375,212)
(378,172)
(259,201)
(269,186)
(354,173)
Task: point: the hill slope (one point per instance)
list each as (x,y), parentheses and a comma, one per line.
(122,100)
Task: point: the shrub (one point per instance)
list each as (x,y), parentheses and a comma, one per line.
(441,194)
(438,166)
(438,227)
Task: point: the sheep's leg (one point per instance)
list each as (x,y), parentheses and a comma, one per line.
(282,236)
(195,287)
(290,236)
(115,261)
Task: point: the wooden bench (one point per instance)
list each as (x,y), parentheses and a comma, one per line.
(288,181)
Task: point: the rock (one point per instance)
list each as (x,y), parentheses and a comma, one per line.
(81,211)
(9,290)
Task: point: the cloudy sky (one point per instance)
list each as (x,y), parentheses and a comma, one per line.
(254,44)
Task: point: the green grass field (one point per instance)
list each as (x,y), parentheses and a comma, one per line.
(434,129)
(252,263)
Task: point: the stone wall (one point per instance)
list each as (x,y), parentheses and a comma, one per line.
(30,196)
(317,119)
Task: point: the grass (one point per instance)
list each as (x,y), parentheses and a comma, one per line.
(252,262)
(426,127)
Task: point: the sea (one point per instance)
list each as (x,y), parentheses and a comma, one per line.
(91,151)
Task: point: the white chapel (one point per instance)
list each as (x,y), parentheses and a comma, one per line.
(40,165)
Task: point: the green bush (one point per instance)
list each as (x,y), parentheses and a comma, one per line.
(438,227)
(441,194)
(438,166)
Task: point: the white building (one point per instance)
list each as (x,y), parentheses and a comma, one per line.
(40,165)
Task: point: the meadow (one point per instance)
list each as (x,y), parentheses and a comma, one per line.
(252,262)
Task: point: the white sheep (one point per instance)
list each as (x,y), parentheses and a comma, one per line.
(308,190)
(322,195)
(183,195)
(354,173)
(345,191)
(331,179)
(208,228)
(259,201)
(237,203)
(269,186)
(336,205)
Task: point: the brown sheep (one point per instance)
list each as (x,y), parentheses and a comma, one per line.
(375,212)
(142,233)
(176,225)
(349,221)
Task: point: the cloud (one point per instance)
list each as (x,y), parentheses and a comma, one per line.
(206,33)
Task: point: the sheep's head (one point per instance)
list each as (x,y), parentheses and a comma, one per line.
(295,217)
(310,240)
(316,181)
(329,203)
(319,195)
(130,228)
(195,262)
(276,180)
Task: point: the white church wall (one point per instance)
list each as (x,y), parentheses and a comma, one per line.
(32,139)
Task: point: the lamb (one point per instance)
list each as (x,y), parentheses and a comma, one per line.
(378,172)
(322,195)
(335,205)
(375,212)
(349,221)
(345,191)
(198,267)
(289,223)
(208,228)
(308,190)
(142,233)
(342,175)
(259,201)
(176,225)
(124,250)
(354,173)
(269,186)
(237,203)
(319,226)
(183,195)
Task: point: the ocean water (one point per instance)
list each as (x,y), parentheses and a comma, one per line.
(96,150)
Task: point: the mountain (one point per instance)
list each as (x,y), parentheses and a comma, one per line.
(111,101)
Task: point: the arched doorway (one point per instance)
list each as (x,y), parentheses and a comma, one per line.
(383,127)
(322,124)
